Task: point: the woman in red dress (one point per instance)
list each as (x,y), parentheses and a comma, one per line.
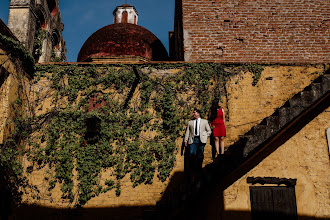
(217,119)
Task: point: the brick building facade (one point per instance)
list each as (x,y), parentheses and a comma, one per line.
(258,31)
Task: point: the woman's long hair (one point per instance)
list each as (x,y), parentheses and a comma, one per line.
(214,109)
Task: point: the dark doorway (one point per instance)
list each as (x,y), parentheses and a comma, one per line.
(273,202)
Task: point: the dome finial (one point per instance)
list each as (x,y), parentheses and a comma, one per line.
(125,14)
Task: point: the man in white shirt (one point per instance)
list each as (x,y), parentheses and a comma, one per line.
(198,130)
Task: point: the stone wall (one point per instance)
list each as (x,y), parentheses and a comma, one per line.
(14,84)
(25,17)
(284,31)
(304,157)
(22,23)
(4,88)
(245,105)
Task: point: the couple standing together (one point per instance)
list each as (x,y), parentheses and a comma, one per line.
(198,130)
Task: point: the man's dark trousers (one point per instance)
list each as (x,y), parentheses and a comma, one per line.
(196,150)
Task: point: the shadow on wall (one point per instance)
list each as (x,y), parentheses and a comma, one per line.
(205,204)
(191,212)
(3,75)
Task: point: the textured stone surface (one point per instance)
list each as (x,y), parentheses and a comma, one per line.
(246,105)
(25,16)
(13,85)
(303,157)
(4,88)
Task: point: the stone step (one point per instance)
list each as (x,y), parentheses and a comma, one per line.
(273,126)
(325,83)
(316,88)
(259,134)
(295,111)
(259,130)
(295,100)
(307,98)
(284,115)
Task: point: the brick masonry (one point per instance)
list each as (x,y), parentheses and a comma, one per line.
(282,31)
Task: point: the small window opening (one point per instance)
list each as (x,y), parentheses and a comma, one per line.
(41,22)
(124,17)
(93,126)
(56,53)
(39,35)
(55,41)
(52,7)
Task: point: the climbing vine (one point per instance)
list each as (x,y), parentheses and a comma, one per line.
(121,119)
(18,50)
(54,58)
(256,69)
(39,36)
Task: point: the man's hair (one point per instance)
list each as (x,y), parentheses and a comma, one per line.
(197,110)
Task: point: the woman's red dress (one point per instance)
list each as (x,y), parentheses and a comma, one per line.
(219,125)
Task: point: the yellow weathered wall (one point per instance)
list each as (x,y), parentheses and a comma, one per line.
(304,157)
(4,95)
(247,105)
(9,92)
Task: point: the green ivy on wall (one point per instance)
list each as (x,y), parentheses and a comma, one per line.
(125,134)
(54,58)
(39,36)
(16,49)
(256,70)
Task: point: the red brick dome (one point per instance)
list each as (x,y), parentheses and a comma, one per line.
(117,40)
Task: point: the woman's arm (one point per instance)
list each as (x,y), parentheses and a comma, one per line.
(223,117)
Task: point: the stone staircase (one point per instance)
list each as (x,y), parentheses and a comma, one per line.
(251,147)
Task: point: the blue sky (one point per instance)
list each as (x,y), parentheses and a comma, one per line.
(81,18)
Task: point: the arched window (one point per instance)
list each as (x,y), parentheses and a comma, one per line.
(56,53)
(135,19)
(39,34)
(41,22)
(52,7)
(55,41)
(124,17)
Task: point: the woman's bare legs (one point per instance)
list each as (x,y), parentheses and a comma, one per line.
(216,143)
(222,144)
